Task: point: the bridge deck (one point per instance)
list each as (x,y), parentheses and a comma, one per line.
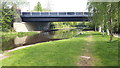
(55,16)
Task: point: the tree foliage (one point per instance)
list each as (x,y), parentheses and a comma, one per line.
(38,7)
(105,14)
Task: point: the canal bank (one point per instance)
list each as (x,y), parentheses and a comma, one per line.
(30,38)
(66,52)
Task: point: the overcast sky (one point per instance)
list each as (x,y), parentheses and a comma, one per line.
(59,5)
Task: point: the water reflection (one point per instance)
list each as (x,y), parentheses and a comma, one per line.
(10,43)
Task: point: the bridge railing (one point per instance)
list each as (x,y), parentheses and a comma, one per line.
(55,13)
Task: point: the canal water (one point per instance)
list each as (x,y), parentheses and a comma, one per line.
(11,43)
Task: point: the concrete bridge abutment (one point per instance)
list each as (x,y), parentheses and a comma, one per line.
(30,26)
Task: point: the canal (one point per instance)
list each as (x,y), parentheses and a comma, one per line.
(45,36)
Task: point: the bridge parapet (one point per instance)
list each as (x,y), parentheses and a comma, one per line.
(55,14)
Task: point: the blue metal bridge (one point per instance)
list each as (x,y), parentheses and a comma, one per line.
(55,16)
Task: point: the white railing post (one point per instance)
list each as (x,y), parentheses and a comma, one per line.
(49,13)
(75,13)
(40,13)
(65,13)
(57,13)
(83,13)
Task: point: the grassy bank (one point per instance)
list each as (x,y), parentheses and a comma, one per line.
(106,51)
(67,52)
(55,53)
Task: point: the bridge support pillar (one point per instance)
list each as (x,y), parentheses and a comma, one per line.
(30,26)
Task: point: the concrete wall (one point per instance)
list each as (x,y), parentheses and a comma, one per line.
(30,26)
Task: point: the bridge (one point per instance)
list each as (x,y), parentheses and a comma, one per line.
(54,16)
(37,21)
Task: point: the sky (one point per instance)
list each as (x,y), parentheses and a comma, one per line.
(59,5)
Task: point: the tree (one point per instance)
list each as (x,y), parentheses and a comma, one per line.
(38,7)
(8,9)
(105,14)
(6,17)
